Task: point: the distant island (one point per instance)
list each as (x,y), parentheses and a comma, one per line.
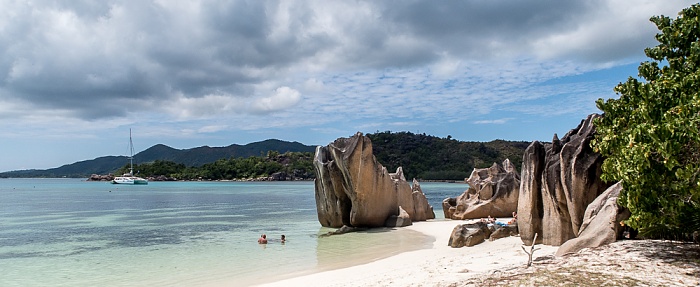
(189,157)
(422,156)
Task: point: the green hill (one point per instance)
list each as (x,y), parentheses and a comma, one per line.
(421,156)
(428,157)
(189,157)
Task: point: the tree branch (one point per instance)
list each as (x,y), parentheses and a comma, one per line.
(532,250)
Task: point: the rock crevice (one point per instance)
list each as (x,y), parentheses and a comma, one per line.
(559,181)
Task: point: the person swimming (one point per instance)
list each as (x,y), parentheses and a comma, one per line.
(262,239)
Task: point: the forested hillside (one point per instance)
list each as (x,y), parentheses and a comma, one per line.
(286,166)
(428,157)
(421,156)
(193,157)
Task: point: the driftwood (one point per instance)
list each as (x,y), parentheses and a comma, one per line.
(532,250)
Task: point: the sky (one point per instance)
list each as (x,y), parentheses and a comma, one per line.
(77,76)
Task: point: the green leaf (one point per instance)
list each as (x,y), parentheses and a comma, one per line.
(649,136)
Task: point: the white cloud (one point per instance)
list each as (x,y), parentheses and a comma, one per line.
(446,67)
(212,128)
(616,32)
(184,68)
(208,106)
(213,57)
(313,85)
(282,98)
(493,122)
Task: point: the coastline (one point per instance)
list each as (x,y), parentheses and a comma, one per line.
(503,263)
(435,266)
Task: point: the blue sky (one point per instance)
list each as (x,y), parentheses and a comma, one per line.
(77,75)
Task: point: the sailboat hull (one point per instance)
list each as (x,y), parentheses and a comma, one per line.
(129,180)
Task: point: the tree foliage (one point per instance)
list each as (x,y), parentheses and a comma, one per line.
(432,158)
(650,134)
(297,165)
(421,156)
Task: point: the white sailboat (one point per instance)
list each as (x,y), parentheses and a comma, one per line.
(129,178)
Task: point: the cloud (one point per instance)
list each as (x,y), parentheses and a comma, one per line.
(365,61)
(446,67)
(212,105)
(313,85)
(493,122)
(212,128)
(282,98)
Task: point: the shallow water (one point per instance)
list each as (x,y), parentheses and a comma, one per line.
(69,232)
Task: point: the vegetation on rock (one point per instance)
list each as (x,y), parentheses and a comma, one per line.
(650,136)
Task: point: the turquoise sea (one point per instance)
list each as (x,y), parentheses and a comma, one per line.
(71,232)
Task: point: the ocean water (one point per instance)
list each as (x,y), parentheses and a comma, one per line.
(71,232)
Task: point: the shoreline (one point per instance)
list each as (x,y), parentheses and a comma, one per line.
(155,179)
(434,266)
(503,263)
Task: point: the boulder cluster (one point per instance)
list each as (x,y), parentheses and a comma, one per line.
(352,189)
(559,196)
(492,192)
(99,177)
(470,234)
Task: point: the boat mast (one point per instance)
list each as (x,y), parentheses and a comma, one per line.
(131,157)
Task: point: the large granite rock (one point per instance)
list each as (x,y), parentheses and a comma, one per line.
(530,204)
(492,192)
(423,209)
(353,189)
(559,180)
(469,234)
(601,223)
(400,220)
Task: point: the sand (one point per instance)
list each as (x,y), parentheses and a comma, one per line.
(503,263)
(440,265)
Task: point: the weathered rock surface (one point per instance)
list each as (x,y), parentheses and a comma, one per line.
(530,209)
(601,223)
(492,192)
(559,180)
(469,234)
(401,220)
(353,189)
(503,231)
(423,209)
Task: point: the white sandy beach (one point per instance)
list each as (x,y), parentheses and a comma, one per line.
(440,265)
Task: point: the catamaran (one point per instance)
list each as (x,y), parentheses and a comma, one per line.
(130,178)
